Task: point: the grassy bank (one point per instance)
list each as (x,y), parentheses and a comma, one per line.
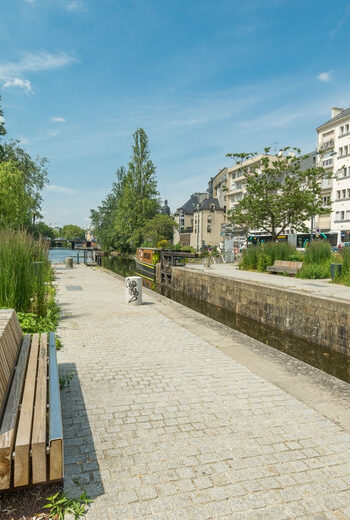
(26,279)
(317,259)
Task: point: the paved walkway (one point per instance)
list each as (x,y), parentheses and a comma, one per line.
(161,425)
(317,287)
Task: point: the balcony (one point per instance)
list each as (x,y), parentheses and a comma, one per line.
(326,145)
(327,163)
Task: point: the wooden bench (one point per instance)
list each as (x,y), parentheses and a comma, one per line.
(31,436)
(283,266)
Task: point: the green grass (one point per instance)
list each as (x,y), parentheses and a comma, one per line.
(260,256)
(25,273)
(315,271)
(346,261)
(318,252)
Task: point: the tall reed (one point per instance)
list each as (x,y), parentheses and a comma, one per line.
(346,260)
(318,252)
(24,271)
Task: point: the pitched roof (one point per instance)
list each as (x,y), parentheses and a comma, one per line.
(207,203)
(342,114)
(191,204)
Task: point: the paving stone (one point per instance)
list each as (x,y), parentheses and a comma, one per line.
(160,425)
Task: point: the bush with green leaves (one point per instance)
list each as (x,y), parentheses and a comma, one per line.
(314,271)
(263,261)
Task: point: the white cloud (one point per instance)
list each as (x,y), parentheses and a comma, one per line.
(325,76)
(58,119)
(21,83)
(11,72)
(60,189)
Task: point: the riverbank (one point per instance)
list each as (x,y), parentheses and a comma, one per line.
(314,310)
(159,421)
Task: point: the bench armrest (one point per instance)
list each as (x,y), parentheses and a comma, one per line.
(55,426)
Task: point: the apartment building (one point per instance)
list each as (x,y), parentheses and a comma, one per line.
(236,186)
(333,145)
(200,220)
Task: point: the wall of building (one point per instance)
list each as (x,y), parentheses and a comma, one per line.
(320,320)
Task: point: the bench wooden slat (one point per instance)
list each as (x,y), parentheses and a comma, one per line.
(24,430)
(11,344)
(55,427)
(8,425)
(39,469)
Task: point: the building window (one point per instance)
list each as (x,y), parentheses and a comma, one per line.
(342,215)
(348,215)
(341,151)
(337,215)
(338,194)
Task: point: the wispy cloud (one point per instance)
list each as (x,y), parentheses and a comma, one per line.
(11,73)
(58,119)
(325,76)
(61,189)
(25,84)
(341,22)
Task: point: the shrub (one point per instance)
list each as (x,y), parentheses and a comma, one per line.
(314,271)
(346,260)
(249,258)
(318,252)
(263,261)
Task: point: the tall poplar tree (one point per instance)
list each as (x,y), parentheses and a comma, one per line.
(139,201)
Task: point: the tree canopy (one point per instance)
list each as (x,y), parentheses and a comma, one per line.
(71,232)
(30,176)
(134,200)
(16,205)
(279,194)
(159,228)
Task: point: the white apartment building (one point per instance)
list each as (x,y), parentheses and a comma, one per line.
(334,141)
(236,187)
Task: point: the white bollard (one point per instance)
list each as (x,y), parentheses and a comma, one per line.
(133,290)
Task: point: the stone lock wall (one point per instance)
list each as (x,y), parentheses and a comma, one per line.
(321,320)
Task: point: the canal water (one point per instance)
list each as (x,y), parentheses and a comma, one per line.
(334,363)
(58,255)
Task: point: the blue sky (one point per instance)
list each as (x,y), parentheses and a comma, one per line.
(202,77)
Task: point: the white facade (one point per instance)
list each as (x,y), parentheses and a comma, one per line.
(334,142)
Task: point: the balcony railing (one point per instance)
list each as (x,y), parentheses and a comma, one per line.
(327,144)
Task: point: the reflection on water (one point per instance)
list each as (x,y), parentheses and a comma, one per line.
(333,363)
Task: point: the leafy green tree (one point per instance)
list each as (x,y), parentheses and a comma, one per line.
(103,218)
(159,228)
(16,205)
(70,232)
(279,194)
(42,229)
(139,200)
(2,121)
(34,171)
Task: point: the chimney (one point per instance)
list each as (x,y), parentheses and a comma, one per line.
(336,111)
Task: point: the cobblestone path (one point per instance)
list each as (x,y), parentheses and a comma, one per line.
(161,425)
